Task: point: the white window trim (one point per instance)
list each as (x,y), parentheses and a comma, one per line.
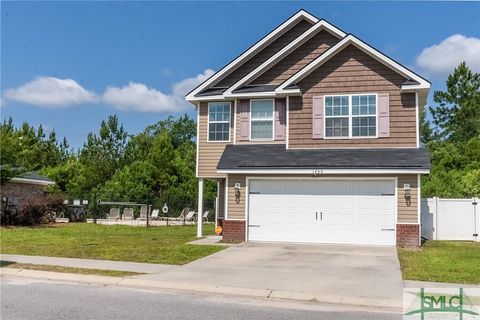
(273,120)
(350,116)
(229,123)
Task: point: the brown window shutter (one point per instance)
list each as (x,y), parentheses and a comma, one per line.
(279,119)
(244,120)
(383,115)
(317,117)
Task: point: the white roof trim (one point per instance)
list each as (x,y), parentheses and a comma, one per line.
(321,171)
(208,98)
(415,87)
(307,35)
(32,181)
(302,14)
(259,94)
(351,39)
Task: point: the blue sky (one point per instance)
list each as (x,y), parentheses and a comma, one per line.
(140,50)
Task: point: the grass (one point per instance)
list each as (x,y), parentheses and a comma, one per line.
(442,261)
(43,267)
(120,243)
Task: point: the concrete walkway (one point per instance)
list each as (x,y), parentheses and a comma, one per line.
(89,263)
(211,240)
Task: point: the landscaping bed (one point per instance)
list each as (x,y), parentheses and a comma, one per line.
(119,243)
(442,261)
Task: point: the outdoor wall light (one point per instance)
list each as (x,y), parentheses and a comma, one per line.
(407,193)
(237,192)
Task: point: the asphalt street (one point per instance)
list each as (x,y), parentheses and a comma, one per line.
(24,298)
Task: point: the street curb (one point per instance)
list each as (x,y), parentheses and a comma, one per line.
(60,276)
(386,304)
(258,293)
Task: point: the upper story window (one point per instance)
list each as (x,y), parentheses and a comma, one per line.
(219,121)
(261,119)
(364,116)
(351,116)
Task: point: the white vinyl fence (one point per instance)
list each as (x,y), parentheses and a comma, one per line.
(450,219)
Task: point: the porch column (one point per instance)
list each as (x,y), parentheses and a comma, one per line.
(217,202)
(200,208)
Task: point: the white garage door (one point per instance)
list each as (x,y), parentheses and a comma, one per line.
(322,211)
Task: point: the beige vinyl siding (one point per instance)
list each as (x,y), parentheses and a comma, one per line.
(221,198)
(209,153)
(264,54)
(236,210)
(297,59)
(353,71)
(405,213)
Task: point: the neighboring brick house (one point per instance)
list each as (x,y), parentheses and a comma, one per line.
(312,135)
(16,190)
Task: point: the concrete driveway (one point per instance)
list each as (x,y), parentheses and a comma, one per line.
(358,275)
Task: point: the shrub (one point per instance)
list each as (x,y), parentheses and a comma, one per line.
(35,210)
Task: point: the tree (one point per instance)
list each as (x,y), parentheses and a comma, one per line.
(458,115)
(181,131)
(132,183)
(426,132)
(27,148)
(103,154)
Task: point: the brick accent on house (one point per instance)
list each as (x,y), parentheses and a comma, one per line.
(233,230)
(16,193)
(408,235)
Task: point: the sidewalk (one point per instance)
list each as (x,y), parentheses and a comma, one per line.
(89,263)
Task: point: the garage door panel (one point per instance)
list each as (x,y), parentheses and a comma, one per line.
(349,211)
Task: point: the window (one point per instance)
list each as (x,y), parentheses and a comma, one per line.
(261,117)
(219,121)
(351,116)
(336,116)
(364,119)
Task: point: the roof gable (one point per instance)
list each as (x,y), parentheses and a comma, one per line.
(263,55)
(307,35)
(245,86)
(254,49)
(371,51)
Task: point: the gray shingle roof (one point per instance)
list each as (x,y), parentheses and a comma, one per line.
(256,88)
(211,92)
(277,156)
(34,176)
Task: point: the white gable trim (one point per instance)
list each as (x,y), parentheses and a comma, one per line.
(307,35)
(302,14)
(351,39)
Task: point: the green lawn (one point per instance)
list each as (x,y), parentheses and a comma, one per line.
(442,261)
(120,243)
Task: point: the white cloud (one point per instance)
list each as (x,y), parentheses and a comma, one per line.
(442,58)
(50,92)
(139,97)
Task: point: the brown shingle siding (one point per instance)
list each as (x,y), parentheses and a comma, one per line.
(264,54)
(297,59)
(353,71)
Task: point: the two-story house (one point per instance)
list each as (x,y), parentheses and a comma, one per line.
(312,135)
